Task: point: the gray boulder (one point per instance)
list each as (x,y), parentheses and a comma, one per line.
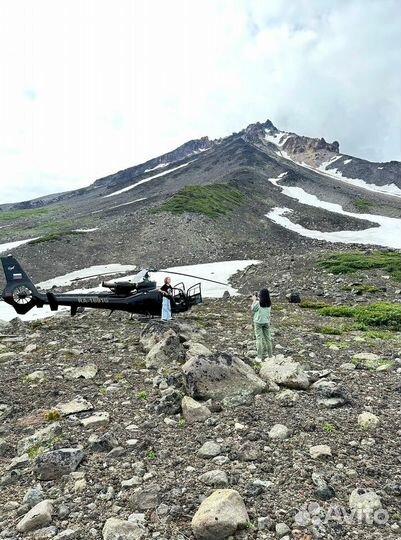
(156,331)
(215,478)
(330,395)
(53,465)
(146,498)
(38,516)
(164,352)
(39,437)
(117,529)
(220,515)
(193,411)
(285,372)
(221,377)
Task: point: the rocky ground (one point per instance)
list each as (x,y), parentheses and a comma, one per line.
(320,423)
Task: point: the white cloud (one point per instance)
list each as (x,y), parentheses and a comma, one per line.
(93,87)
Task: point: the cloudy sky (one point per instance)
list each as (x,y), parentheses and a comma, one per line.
(90,87)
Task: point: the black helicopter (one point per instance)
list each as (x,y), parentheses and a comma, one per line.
(140,296)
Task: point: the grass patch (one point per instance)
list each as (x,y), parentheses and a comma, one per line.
(52,416)
(52,237)
(329,330)
(16,215)
(371,365)
(337,345)
(211,200)
(363,204)
(362,288)
(312,304)
(346,263)
(378,314)
(381,335)
(329,428)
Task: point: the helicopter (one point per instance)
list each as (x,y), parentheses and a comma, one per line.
(139,295)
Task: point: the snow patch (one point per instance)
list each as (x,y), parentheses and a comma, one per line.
(347,161)
(278,138)
(86,230)
(387,234)
(128,188)
(11,245)
(118,205)
(387,189)
(160,166)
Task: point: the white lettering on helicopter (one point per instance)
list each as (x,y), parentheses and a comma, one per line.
(92,300)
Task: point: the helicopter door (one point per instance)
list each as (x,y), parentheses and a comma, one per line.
(194,295)
(180,286)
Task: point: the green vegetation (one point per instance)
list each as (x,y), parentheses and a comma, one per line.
(346,263)
(52,237)
(337,345)
(182,422)
(312,304)
(211,200)
(329,330)
(151,454)
(38,380)
(361,288)
(378,314)
(52,416)
(38,450)
(329,428)
(363,204)
(142,395)
(371,365)
(35,451)
(16,215)
(381,335)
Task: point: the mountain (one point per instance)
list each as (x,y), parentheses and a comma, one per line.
(254,192)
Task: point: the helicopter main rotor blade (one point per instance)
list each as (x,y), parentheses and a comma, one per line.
(189,275)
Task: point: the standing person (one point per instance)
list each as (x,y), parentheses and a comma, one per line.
(261,309)
(167,292)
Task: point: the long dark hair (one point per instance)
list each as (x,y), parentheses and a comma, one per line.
(264,298)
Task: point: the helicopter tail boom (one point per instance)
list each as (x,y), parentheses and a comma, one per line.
(19,291)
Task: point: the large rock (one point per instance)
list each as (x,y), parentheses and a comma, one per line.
(221,377)
(53,465)
(146,498)
(220,515)
(38,438)
(117,529)
(156,331)
(195,349)
(279,431)
(215,478)
(167,351)
(87,371)
(330,395)
(285,372)
(170,402)
(193,411)
(366,503)
(320,450)
(368,421)
(37,517)
(76,405)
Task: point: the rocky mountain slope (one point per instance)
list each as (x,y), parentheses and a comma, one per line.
(252,192)
(129,429)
